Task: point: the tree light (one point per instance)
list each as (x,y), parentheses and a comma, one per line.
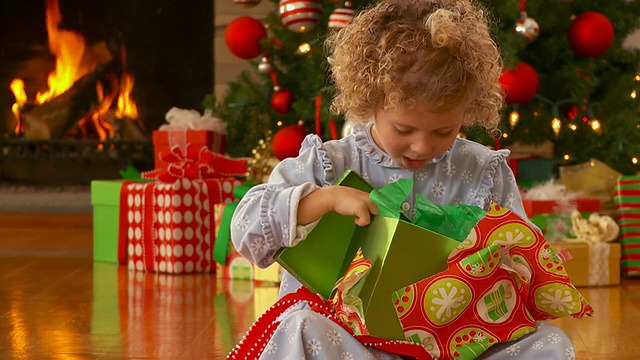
(634,94)
(505,135)
(573,127)
(556,124)
(595,125)
(303,48)
(514,117)
(637,77)
(634,160)
(566,156)
(279,123)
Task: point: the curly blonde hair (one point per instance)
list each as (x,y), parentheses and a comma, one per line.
(401,53)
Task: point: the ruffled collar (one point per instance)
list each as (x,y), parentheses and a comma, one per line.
(364,141)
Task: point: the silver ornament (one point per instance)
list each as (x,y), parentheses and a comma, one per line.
(527,27)
(265,65)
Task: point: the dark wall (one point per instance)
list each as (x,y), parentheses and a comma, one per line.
(169,48)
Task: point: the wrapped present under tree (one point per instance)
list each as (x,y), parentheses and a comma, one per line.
(188,127)
(627,203)
(230,264)
(549,206)
(166,225)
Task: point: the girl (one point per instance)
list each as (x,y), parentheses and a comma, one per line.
(410,74)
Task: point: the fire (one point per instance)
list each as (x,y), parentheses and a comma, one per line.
(71,64)
(99,117)
(17,87)
(68,48)
(127,108)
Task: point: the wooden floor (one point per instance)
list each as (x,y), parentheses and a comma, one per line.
(56,303)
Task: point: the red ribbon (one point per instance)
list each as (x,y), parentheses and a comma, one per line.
(255,340)
(196,163)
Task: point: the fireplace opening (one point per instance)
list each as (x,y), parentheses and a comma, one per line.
(83,84)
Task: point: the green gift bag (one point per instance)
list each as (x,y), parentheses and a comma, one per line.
(401,253)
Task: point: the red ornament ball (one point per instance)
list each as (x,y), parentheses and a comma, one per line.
(590,34)
(287,141)
(519,84)
(243,35)
(281,101)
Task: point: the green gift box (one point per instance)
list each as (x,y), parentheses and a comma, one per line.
(556,226)
(105,198)
(401,253)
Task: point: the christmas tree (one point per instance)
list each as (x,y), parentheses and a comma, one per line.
(568,79)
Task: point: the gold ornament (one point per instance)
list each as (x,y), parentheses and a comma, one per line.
(262,160)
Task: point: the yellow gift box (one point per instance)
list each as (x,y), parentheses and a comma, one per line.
(591,264)
(239,268)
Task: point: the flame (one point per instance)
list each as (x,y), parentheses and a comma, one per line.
(103,126)
(17,87)
(69,48)
(127,108)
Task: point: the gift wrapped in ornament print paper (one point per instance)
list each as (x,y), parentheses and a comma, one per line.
(500,280)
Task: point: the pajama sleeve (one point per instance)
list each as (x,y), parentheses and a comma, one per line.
(266,217)
(498,183)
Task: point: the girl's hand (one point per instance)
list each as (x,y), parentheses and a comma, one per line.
(341,199)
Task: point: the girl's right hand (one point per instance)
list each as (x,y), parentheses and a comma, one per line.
(341,199)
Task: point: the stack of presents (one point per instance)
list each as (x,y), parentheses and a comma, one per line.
(168,221)
(589,209)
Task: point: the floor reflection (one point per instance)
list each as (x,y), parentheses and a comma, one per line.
(73,308)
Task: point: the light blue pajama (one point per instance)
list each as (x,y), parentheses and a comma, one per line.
(265,221)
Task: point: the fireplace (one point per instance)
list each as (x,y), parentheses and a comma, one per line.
(150,55)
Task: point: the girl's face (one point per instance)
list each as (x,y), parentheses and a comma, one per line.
(414,137)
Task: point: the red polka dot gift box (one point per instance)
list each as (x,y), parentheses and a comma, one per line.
(168,226)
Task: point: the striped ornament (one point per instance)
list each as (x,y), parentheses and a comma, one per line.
(247,3)
(340,17)
(300,16)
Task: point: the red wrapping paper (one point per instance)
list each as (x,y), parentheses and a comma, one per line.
(585,205)
(168,226)
(500,280)
(165,140)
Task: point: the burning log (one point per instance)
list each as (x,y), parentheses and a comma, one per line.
(56,117)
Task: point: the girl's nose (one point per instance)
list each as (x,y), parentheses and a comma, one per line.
(422,145)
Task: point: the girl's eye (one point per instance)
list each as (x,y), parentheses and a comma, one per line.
(402,131)
(444,132)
